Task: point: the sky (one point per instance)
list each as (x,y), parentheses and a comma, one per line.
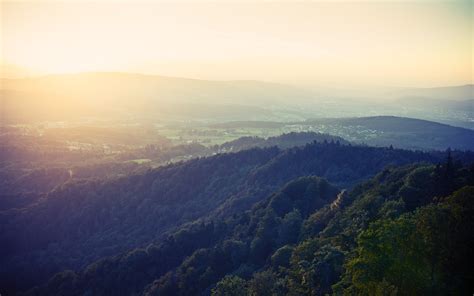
(382,43)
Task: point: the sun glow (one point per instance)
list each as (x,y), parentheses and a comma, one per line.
(406,43)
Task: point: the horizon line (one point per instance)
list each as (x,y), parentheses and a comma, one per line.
(134,73)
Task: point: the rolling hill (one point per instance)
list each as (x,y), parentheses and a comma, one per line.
(447,93)
(84,220)
(308,238)
(403,132)
(117,94)
(400,132)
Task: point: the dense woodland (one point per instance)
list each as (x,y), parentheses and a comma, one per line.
(37,164)
(408,230)
(283,141)
(188,211)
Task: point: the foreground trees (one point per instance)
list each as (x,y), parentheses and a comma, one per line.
(426,252)
(395,234)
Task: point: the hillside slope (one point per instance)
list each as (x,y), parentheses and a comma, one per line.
(283,141)
(410,133)
(82,221)
(400,132)
(305,239)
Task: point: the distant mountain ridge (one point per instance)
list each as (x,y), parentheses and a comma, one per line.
(446,93)
(111,94)
(87,94)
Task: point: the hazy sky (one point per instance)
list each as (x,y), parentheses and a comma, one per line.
(409,43)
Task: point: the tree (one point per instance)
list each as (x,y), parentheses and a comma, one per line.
(289,229)
(282,256)
(230,286)
(266,283)
(388,257)
(427,252)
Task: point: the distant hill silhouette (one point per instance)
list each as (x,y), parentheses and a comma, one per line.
(401,132)
(283,141)
(447,93)
(111,94)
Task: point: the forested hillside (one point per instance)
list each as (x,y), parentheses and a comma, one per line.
(39,163)
(407,230)
(384,131)
(283,141)
(83,221)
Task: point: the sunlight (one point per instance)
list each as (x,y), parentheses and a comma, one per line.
(359,43)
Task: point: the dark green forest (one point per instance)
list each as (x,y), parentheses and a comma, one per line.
(407,231)
(264,220)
